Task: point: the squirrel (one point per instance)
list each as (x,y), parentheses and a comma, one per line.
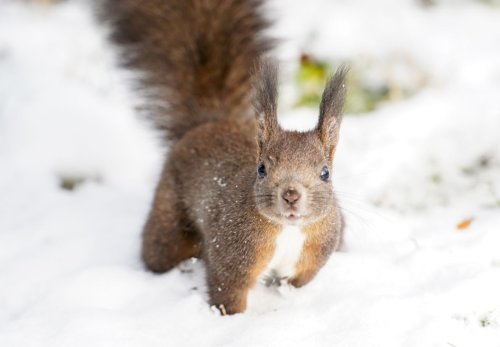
(254,201)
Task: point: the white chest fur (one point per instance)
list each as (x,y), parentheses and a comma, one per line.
(289,244)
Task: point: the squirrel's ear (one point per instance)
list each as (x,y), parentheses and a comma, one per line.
(265,101)
(330,110)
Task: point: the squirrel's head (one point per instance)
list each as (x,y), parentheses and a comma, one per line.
(294,169)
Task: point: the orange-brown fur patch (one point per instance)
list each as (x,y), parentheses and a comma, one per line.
(319,243)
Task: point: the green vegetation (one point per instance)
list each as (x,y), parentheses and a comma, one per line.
(72,182)
(311,79)
(362,96)
(484,322)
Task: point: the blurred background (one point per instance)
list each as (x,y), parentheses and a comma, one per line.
(417,173)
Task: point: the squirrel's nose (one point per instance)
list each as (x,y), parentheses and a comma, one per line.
(291,196)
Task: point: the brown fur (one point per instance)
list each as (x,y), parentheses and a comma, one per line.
(196,54)
(210,201)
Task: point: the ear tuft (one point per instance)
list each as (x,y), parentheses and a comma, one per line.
(333,99)
(266,99)
(331,109)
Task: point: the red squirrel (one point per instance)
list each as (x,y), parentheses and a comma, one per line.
(254,201)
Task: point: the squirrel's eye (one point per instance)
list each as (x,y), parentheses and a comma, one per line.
(261,171)
(325,174)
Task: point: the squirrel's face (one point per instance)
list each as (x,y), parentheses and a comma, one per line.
(293,179)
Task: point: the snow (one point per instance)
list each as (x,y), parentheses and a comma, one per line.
(289,246)
(406,174)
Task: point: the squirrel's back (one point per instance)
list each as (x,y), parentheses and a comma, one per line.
(196,55)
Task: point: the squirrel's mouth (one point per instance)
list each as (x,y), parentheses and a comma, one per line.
(292,216)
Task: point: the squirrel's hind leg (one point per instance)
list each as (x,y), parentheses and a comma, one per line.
(167,237)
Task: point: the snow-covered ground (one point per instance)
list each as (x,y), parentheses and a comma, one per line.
(407,175)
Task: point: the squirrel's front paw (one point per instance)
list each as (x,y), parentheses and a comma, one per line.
(300,280)
(229,309)
(229,302)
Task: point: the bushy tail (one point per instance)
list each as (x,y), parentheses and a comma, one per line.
(197,56)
